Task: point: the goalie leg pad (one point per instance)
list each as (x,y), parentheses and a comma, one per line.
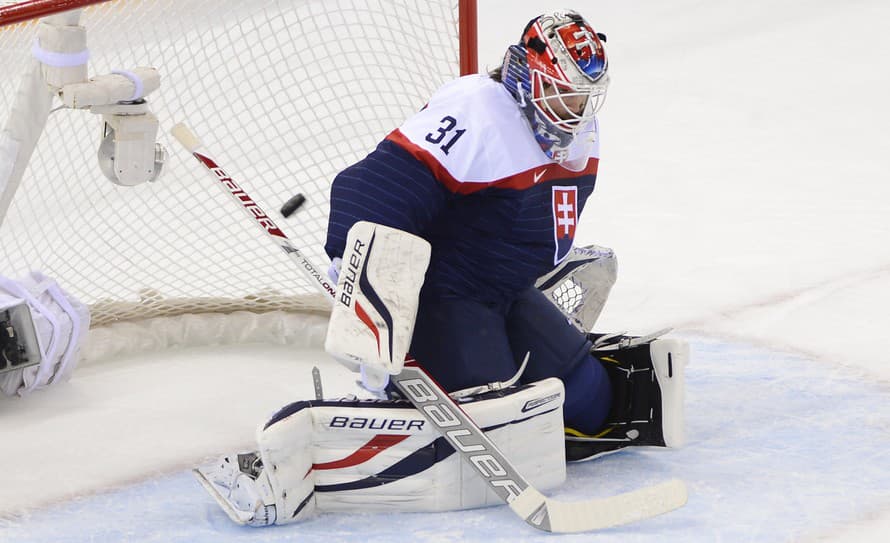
(383,456)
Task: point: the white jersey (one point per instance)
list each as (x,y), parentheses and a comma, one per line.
(473,133)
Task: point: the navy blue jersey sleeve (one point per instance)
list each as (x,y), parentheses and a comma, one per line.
(388,187)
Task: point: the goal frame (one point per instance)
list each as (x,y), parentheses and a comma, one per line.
(34,9)
(111,339)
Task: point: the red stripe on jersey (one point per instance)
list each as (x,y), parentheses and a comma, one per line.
(518,181)
(427,159)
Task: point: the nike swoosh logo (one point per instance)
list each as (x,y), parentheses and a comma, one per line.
(539,175)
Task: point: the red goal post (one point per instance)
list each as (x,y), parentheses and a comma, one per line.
(289,91)
(17,12)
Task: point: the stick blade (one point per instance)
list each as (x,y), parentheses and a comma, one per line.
(600,513)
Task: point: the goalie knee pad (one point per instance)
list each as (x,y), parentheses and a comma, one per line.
(384,456)
(648,389)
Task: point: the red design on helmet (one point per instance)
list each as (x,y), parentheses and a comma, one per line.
(559,75)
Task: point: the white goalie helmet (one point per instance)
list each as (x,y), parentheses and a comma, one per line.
(558,73)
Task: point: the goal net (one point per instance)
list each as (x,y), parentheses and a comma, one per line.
(286,93)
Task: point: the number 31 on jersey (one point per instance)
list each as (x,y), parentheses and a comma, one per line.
(444,130)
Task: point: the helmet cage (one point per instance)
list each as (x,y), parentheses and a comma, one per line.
(567,107)
(517,81)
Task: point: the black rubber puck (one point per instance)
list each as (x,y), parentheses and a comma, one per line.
(293,204)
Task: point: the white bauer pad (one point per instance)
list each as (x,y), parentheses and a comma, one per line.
(377,296)
(580,285)
(36,310)
(383,456)
(669,360)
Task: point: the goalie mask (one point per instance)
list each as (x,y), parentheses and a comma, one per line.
(558,73)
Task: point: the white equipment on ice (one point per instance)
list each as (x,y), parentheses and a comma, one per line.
(43,329)
(580,285)
(384,456)
(669,360)
(376,301)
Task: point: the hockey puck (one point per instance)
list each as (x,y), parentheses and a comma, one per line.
(293,204)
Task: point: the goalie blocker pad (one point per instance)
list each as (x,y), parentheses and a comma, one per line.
(383,456)
(377,297)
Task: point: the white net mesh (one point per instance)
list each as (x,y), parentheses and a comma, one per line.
(283,93)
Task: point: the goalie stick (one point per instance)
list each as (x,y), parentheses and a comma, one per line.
(468,440)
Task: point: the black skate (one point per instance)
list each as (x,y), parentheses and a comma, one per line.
(648,387)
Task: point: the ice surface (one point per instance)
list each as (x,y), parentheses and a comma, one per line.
(744,188)
(771,457)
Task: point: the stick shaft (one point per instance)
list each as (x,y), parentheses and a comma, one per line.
(253,210)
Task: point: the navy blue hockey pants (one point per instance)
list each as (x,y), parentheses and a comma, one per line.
(464,343)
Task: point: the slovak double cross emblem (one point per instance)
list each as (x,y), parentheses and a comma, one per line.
(565,219)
